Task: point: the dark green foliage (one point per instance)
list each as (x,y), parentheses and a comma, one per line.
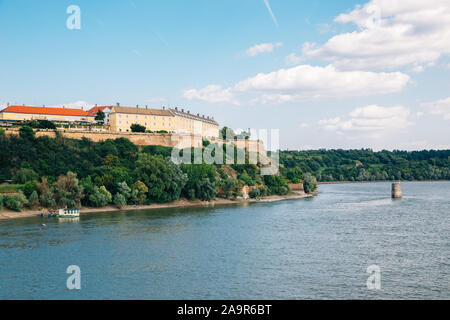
(68,191)
(276,185)
(163,178)
(99,197)
(206,190)
(41,124)
(1,202)
(15,202)
(33,200)
(254,193)
(135,127)
(367,165)
(119,200)
(231,187)
(100,116)
(29,187)
(24,175)
(26,133)
(309,183)
(199,178)
(158,150)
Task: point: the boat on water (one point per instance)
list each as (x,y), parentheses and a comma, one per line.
(68,213)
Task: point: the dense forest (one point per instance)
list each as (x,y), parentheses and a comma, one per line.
(58,172)
(366,165)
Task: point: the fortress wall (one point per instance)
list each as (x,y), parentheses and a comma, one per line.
(179,141)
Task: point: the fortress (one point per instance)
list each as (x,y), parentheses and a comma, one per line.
(173,127)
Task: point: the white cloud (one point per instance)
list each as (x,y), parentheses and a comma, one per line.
(274,19)
(293,59)
(211,94)
(261,48)
(75,105)
(439,108)
(372,121)
(390,34)
(302,83)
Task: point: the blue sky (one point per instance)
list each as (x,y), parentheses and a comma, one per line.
(357,86)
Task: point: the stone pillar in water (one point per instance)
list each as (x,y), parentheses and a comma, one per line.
(396,190)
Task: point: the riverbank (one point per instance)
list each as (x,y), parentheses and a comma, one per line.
(7,214)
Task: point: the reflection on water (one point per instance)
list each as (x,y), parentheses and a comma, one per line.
(301,249)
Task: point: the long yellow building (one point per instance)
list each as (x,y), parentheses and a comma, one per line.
(171,120)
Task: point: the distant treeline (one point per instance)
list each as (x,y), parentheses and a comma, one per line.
(366,165)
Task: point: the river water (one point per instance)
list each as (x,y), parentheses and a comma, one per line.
(316,248)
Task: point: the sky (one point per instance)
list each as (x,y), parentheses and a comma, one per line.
(326,74)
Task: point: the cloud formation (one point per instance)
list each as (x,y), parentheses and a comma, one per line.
(439,108)
(373,121)
(302,83)
(261,48)
(391,34)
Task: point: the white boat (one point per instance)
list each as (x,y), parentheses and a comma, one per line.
(68,213)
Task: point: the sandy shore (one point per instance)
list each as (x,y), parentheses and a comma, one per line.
(7,214)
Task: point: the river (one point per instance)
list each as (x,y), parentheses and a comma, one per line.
(318,248)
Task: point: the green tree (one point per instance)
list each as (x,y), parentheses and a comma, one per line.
(100,117)
(29,187)
(163,178)
(124,190)
(139,192)
(26,133)
(24,175)
(47,194)
(207,190)
(309,183)
(100,197)
(33,199)
(68,191)
(16,202)
(137,128)
(119,200)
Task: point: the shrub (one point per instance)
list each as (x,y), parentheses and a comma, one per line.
(119,200)
(1,202)
(254,193)
(26,133)
(100,197)
(33,199)
(309,183)
(29,187)
(136,127)
(16,202)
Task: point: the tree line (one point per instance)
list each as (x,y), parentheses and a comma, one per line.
(60,172)
(366,165)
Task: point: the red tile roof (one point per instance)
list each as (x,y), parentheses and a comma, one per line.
(94,110)
(47,111)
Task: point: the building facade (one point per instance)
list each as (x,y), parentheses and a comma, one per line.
(62,115)
(170,120)
(106,110)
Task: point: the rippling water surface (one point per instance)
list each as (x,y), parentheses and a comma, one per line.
(301,249)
